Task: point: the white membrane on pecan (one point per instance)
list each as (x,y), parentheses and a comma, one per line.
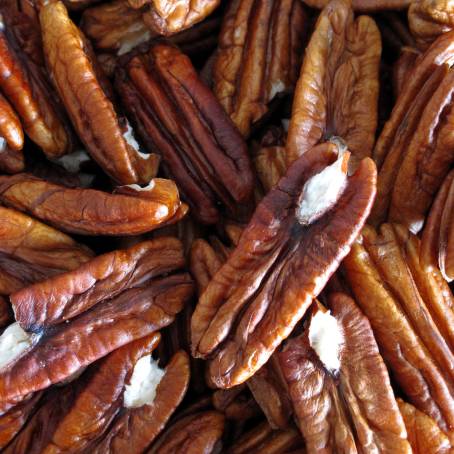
(13,342)
(139,35)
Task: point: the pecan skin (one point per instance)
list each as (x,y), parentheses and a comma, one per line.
(271,261)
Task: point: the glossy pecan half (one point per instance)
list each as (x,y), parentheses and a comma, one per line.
(254,301)
(337,90)
(403,67)
(259,54)
(57,354)
(181,119)
(339,385)
(437,247)
(129,211)
(107,136)
(136,428)
(424,436)
(199,432)
(415,149)
(411,313)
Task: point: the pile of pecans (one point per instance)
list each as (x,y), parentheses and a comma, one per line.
(226,226)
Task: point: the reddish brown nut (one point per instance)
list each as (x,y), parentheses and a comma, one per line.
(108,138)
(424,436)
(339,385)
(10,161)
(236,403)
(199,432)
(337,91)
(258,57)
(411,314)
(367,6)
(167,17)
(271,164)
(254,301)
(10,127)
(181,120)
(58,354)
(130,211)
(69,294)
(136,428)
(402,68)
(437,247)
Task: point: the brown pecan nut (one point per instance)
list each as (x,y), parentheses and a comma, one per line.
(167,17)
(137,427)
(411,314)
(424,435)
(53,356)
(271,164)
(108,137)
(181,119)
(415,151)
(10,126)
(428,19)
(437,247)
(402,68)
(130,211)
(337,91)
(236,403)
(368,6)
(339,385)
(259,54)
(261,292)
(25,84)
(10,161)
(69,294)
(199,432)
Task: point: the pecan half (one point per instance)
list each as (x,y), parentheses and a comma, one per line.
(337,91)
(10,126)
(199,432)
(130,211)
(339,385)
(415,150)
(365,5)
(261,292)
(411,315)
(181,119)
(424,436)
(402,68)
(259,54)
(437,247)
(236,403)
(271,164)
(107,137)
(135,429)
(10,161)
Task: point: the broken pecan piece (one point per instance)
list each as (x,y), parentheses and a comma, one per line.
(337,91)
(259,54)
(131,211)
(181,119)
(108,138)
(437,247)
(256,298)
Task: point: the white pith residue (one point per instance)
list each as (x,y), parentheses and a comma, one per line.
(131,140)
(321,192)
(138,36)
(137,187)
(72,162)
(13,342)
(145,378)
(276,87)
(325,337)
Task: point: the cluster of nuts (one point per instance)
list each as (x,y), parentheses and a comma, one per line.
(226,226)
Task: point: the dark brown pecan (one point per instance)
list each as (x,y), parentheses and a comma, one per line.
(365,5)
(339,385)
(259,54)
(337,91)
(129,211)
(136,428)
(411,314)
(236,403)
(63,297)
(10,161)
(181,119)
(254,301)
(403,67)
(199,432)
(63,351)
(108,138)
(437,247)
(415,150)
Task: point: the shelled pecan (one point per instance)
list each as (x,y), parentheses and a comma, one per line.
(258,57)
(414,151)
(424,436)
(179,118)
(107,136)
(261,292)
(403,67)
(130,211)
(367,6)
(199,432)
(411,314)
(236,403)
(339,385)
(437,247)
(10,161)
(337,91)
